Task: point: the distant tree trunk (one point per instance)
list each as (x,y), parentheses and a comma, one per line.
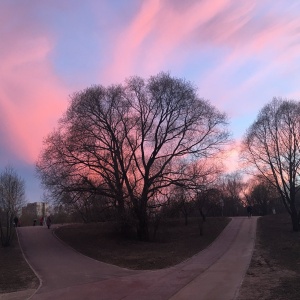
(185,213)
(122,217)
(185,219)
(201,221)
(202,215)
(295,219)
(201,225)
(143,229)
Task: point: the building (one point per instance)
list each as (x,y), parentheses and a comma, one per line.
(35,209)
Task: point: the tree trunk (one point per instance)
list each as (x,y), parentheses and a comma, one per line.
(142,229)
(185,219)
(295,220)
(141,213)
(202,215)
(201,225)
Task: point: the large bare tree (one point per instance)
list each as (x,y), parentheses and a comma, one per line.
(132,142)
(12,198)
(271,146)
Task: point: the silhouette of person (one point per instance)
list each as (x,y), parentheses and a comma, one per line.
(249,211)
(48,222)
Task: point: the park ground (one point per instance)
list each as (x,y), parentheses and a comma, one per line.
(274,272)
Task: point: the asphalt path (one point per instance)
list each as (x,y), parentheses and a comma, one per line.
(215,273)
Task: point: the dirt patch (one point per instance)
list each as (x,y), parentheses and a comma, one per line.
(274,271)
(15,273)
(263,277)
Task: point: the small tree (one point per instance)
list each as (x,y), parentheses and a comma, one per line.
(12,198)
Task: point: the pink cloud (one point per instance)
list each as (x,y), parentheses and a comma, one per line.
(160,30)
(31,96)
(230,157)
(128,42)
(157,29)
(271,40)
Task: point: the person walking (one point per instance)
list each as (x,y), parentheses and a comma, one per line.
(249,211)
(16,221)
(48,222)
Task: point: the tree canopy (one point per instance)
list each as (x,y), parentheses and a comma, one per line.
(130,142)
(272,146)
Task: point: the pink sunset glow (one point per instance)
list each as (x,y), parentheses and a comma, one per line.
(239,55)
(30,98)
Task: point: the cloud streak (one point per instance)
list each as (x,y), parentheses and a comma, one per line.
(164,34)
(31,94)
(239,54)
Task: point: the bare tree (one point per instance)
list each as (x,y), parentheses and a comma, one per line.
(271,146)
(261,194)
(12,198)
(132,142)
(232,186)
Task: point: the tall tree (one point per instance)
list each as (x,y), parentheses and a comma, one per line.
(131,142)
(271,146)
(12,198)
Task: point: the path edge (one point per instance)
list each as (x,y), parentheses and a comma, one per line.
(237,293)
(31,267)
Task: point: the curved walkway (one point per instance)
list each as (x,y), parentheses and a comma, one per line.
(215,273)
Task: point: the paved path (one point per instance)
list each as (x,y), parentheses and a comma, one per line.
(214,274)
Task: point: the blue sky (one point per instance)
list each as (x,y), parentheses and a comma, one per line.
(240,54)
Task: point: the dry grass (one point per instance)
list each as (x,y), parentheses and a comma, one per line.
(175,243)
(15,273)
(274,272)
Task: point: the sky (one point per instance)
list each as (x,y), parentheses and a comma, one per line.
(239,54)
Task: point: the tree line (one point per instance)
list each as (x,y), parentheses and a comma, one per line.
(135,151)
(137,146)
(129,144)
